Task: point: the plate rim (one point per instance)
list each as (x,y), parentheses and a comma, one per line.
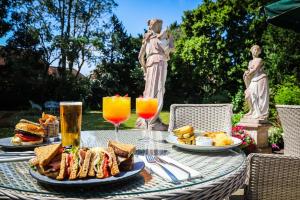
(202,148)
(12,147)
(80,182)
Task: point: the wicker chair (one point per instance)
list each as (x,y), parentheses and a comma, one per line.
(273,177)
(206,117)
(290,121)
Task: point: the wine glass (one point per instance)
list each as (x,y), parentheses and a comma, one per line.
(146,108)
(116,110)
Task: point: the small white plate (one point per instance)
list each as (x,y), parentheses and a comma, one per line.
(173,140)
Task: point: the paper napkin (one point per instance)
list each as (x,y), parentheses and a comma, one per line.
(180,175)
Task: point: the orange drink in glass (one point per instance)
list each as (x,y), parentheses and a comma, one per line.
(116,110)
(146,108)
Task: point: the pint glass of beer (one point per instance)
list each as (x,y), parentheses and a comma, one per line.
(70,122)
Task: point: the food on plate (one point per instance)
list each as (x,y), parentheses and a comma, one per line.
(204,141)
(180,132)
(124,153)
(46,119)
(50,124)
(28,133)
(63,163)
(219,138)
(185,135)
(222,140)
(190,140)
(212,134)
(47,160)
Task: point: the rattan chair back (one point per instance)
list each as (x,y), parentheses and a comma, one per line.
(290,120)
(205,117)
(273,177)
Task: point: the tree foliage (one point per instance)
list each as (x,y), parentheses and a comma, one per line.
(118,72)
(68,30)
(4,22)
(213,49)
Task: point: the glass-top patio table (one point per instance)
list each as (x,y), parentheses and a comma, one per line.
(224,172)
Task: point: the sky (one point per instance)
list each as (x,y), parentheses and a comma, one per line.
(134,15)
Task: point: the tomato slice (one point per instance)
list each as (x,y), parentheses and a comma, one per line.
(27,138)
(105,167)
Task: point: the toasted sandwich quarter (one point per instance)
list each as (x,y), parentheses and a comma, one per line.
(84,168)
(63,167)
(91,171)
(120,149)
(127,164)
(100,165)
(45,154)
(74,167)
(113,165)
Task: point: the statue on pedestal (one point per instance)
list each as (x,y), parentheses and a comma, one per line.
(257,88)
(156,46)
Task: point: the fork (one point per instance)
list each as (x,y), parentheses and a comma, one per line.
(160,160)
(151,159)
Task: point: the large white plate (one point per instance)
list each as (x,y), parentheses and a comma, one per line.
(173,140)
(137,168)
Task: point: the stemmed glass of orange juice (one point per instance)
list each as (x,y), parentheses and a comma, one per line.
(116,110)
(146,108)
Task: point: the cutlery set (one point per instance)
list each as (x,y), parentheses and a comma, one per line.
(162,163)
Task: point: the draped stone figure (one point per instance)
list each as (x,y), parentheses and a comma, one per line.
(156,47)
(257,92)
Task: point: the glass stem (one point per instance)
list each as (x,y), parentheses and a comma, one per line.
(147,124)
(117,132)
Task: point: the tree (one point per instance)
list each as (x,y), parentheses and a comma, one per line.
(4,24)
(118,72)
(213,49)
(68,30)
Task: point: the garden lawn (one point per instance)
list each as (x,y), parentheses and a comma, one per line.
(91,120)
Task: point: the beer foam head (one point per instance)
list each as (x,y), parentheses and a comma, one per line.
(70,103)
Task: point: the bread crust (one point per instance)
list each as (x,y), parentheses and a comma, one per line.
(91,171)
(114,169)
(84,169)
(46,153)
(75,168)
(100,173)
(62,171)
(120,149)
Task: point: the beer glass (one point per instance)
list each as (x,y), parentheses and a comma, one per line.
(70,122)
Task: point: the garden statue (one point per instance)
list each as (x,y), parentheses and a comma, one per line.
(257,88)
(156,47)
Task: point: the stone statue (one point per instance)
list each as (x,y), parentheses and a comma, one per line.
(257,92)
(156,46)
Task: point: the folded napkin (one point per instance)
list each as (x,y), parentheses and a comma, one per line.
(180,175)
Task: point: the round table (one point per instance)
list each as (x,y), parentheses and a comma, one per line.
(223,173)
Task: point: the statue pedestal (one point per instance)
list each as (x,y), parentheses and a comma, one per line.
(258,129)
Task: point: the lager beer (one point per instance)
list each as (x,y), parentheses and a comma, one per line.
(70,122)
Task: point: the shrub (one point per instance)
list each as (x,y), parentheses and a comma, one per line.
(236,118)
(288,93)
(238,100)
(275,138)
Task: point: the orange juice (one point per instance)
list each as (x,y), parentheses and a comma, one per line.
(116,109)
(146,108)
